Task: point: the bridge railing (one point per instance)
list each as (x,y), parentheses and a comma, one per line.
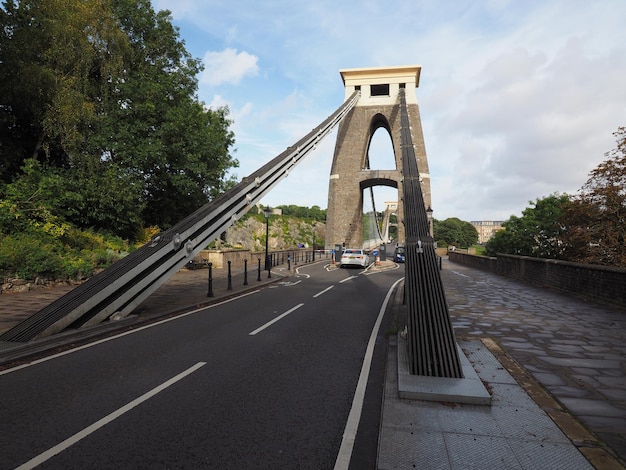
(370,244)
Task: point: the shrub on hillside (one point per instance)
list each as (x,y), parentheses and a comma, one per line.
(76,255)
(27,256)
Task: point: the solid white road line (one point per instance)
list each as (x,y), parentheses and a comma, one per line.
(270,323)
(302,274)
(347,279)
(323,292)
(41,458)
(352,425)
(130,332)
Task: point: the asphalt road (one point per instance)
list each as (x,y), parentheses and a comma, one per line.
(266,380)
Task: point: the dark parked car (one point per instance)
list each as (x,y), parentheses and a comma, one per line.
(398,254)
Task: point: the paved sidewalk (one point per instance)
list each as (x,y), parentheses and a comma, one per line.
(554,365)
(513,432)
(186,289)
(575,350)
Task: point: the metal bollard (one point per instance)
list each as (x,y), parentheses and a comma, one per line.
(210,293)
(288,262)
(245,272)
(259,276)
(230,278)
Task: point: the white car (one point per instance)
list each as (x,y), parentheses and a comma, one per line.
(354,257)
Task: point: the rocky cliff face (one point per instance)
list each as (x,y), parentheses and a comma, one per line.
(284,232)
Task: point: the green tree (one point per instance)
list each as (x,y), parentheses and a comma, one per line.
(84,203)
(154,126)
(595,219)
(28,204)
(104,95)
(53,56)
(302,212)
(454,231)
(537,233)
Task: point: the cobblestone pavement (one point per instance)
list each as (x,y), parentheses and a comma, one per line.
(17,307)
(575,349)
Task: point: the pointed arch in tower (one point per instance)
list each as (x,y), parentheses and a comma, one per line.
(379,125)
(378,106)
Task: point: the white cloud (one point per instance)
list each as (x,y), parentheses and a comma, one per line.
(530,124)
(218,101)
(518,99)
(228,66)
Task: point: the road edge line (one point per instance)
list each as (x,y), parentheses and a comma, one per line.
(352,425)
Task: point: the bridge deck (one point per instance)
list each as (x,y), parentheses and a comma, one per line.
(572,348)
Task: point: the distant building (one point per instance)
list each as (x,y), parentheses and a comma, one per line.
(486,229)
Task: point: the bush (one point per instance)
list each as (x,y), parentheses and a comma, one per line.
(28,256)
(145,234)
(76,255)
(81,240)
(76,267)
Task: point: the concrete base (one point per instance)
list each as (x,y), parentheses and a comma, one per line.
(469,389)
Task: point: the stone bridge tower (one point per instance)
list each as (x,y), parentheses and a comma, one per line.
(350,175)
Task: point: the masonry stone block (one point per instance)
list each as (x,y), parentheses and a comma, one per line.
(350,174)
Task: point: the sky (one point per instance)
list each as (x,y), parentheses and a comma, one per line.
(518,99)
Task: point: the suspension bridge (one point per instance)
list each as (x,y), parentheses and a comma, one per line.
(117,291)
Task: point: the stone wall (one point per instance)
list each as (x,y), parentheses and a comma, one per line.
(481,262)
(220,258)
(17,286)
(349,174)
(599,283)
